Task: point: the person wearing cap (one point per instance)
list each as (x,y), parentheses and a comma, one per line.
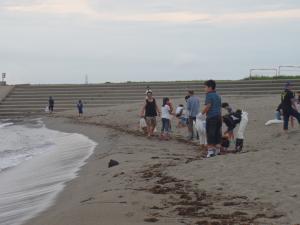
(288,105)
(148,89)
(150,111)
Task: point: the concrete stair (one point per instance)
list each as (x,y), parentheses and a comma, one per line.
(32,99)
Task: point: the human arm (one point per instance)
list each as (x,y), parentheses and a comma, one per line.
(206,109)
(188,104)
(208,104)
(171,107)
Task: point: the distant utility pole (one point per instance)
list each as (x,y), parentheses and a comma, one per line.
(3,78)
(86,79)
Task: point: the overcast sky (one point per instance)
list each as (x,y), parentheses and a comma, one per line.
(60,41)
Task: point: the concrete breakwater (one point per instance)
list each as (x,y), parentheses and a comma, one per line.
(24,100)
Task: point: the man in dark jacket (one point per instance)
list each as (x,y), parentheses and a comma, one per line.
(288,106)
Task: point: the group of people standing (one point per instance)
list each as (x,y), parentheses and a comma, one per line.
(50,106)
(211,114)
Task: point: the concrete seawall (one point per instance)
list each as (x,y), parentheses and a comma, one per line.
(4,91)
(26,100)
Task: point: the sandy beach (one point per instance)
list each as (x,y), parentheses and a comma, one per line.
(170,182)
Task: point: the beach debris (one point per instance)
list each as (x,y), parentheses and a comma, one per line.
(151,220)
(87,200)
(113,163)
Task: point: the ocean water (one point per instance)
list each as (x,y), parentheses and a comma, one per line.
(35,163)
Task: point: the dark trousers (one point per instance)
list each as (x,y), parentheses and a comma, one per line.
(214,130)
(165,125)
(191,126)
(286,116)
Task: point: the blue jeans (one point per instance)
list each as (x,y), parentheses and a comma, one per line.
(286,116)
(165,125)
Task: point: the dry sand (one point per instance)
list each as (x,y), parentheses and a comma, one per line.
(169,182)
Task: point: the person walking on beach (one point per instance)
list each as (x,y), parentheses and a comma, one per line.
(213,112)
(150,111)
(80,108)
(288,106)
(51,104)
(165,119)
(193,107)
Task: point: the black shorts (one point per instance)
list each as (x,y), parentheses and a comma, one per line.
(229,123)
(214,130)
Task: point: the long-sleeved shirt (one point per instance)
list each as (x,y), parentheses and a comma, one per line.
(193,106)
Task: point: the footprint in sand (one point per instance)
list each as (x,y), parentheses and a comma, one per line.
(130,214)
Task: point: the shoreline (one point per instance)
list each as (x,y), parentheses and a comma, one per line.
(35,164)
(170,183)
(136,215)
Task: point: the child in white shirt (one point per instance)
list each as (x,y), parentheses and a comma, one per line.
(165,118)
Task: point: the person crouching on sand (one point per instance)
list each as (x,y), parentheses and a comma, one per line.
(180,115)
(231,121)
(213,114)
(165,119)
(288,106)
(80,108)
(150,111)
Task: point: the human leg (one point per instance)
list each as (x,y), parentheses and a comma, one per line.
(212,133)
(190,127)
(148,122)
(286,117)
(153,125)
(167,129)
(295,114)
(164,126)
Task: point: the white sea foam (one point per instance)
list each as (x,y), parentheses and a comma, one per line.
(2,125)
(35,162)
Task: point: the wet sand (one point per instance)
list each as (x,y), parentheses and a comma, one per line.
(170,182)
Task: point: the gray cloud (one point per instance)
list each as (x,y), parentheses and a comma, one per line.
(60,48)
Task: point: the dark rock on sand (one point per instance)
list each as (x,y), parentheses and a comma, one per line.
(113,163)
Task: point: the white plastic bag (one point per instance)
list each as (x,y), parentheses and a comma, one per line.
(200,126)
(243,125)
(275,121)
(143,124)
(47,109)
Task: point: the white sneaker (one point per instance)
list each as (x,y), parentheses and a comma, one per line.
(210,153)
